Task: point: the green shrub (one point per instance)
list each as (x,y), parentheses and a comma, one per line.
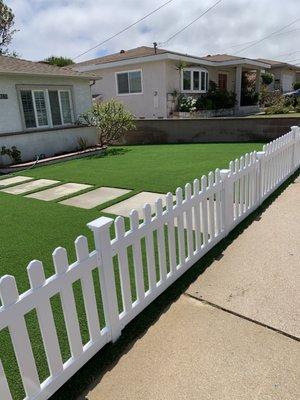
(296,85)
(216,99)
(14,154)
(249,98)
(267,78)
(186,104)
(111,120)
(282,106)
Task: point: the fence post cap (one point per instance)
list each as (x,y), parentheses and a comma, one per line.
(260,154)
(100,223)
(224,173)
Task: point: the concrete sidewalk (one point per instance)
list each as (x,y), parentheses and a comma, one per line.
(205,352)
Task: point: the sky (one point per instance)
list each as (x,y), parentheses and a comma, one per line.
(70,27)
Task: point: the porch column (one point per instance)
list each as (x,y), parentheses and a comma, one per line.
(238,85)
(257,80)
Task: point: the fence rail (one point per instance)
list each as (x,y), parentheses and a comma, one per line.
(155,252)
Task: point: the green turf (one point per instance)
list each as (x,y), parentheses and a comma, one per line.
(32,229)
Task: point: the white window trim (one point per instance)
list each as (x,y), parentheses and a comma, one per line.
(127,72)
(48,108)
(192,69)
(35,110)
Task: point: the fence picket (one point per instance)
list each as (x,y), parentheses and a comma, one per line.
(197,221)
(149,247)
(189,220)
(123,266)
(204,210)
(36,276)
(61,264)
(4,388)
(171,234)
(137,257)
(20,338)
(211,206)
(180,228)
(218,218)
(88,290)
(161,243)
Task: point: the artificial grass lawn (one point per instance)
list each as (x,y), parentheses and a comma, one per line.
(32,229)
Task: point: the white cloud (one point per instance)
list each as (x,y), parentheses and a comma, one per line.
(69,27)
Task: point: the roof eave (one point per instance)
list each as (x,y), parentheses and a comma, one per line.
(170,56)
(90,78)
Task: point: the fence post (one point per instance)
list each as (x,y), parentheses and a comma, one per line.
(100,228)
(295,130)
(227,200)
(260,177)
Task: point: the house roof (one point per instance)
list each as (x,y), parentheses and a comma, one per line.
(12,65)
(144,51)
(221,57)
(277,64)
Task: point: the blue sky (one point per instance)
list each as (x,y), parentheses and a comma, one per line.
(69,27)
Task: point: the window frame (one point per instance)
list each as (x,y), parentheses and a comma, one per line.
(45,90)
(192,70)
(127,72)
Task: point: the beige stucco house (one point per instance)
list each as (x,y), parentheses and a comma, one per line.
(145,78)
(39,105)
(285,75)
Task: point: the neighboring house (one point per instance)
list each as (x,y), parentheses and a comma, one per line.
(39,105)
(146,78)
(285,75)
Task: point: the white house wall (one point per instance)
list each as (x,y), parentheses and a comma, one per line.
(10,113)
(140,104)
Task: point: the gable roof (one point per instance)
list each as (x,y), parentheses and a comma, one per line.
(144,51)
(12,65)
(277,64)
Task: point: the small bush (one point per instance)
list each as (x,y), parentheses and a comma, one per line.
(296,85)
(14,154)
(282,106)
(249,98)
(216,99)
(111,120)
(187,104)
(267,98)
(267,78)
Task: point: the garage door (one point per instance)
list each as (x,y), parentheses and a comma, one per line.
(287,82)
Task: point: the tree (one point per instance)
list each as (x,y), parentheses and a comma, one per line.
(7,21)
(59,61)
(111,120)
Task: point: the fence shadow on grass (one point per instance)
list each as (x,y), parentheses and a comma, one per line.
(91,374)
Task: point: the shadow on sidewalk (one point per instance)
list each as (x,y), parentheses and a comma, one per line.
(91,374)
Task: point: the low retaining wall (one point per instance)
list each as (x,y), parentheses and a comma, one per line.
(150,131)
(47,142)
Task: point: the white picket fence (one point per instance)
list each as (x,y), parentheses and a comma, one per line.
(174,239)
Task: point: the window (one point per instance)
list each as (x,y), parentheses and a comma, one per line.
(46,107)
(222,81)
(129,82)
(194,80)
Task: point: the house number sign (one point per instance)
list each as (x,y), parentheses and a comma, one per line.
(3,96)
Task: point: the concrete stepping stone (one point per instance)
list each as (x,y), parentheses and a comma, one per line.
(136,202)
(95,197)
(59,191)
(14,180)
(29,186)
